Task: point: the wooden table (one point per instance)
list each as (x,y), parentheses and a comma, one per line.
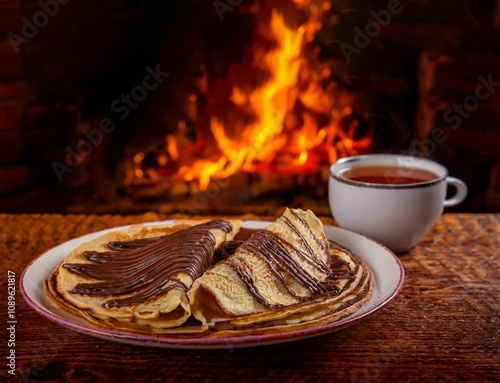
(443,326)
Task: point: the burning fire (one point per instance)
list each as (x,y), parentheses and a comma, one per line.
(296,123)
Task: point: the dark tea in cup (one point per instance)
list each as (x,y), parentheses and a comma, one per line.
(388,175)
(394,199)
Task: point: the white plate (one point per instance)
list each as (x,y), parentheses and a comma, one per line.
(386,268)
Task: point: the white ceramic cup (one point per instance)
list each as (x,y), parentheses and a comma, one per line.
(396,215)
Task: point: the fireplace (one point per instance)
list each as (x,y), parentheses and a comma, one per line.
(222,107)
(268,124)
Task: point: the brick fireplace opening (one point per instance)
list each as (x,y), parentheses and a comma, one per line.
(221,107)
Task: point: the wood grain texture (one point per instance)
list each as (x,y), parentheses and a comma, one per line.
(443,326)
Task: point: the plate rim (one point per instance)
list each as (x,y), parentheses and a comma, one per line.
(166,340)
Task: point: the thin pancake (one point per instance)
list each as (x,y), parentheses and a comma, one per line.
(139,275)
(285,274)
(285,277)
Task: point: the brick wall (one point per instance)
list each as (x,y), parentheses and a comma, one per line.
(459,107)
(429,57)
(49,53)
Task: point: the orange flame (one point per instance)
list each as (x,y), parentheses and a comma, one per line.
(263,138)
(285,128)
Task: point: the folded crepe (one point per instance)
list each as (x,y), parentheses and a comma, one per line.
(194,279)
(285,276)
(139,276)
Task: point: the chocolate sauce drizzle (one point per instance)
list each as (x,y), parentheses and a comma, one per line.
(226,249)
(276,252)
(142,267)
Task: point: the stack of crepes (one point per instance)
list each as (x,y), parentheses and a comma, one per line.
(191,277)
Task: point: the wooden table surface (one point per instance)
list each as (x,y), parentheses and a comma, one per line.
(443,326)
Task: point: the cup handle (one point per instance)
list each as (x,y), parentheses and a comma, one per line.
(460,192)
